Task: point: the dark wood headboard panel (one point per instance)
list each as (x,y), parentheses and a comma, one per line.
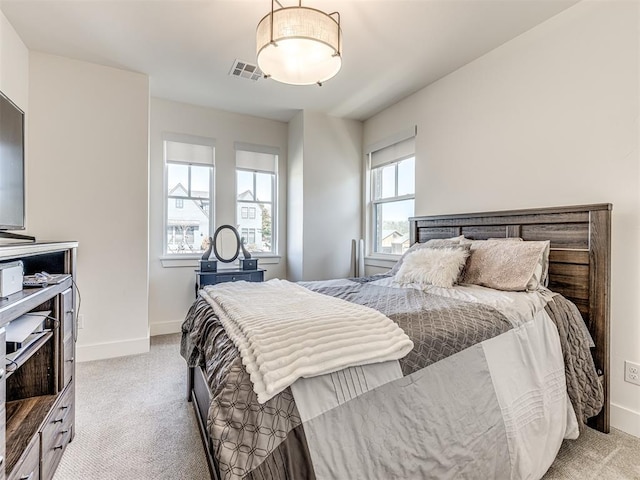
(579,261)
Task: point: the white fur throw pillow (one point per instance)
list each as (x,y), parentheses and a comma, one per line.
(433,243)
(433,266)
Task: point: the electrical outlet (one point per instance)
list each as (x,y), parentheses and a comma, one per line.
(632,372)
(80,321)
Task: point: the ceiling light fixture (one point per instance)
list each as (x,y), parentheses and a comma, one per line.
(299,45)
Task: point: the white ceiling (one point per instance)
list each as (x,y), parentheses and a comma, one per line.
(392,48)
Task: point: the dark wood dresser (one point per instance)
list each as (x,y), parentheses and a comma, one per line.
(37,390)
(221,276)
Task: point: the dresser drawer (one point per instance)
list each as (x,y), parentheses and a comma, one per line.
(3,397)
(222,276)
(3,371)
(57,432)
(67,314)
(28,467)
(3,436)
(257,276)
(231,277)
(68,360)
(247,276)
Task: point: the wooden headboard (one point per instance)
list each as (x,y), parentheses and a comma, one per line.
(579,260)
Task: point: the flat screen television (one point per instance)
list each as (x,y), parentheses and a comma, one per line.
(12,211)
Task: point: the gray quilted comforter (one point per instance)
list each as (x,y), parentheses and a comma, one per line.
(268,441)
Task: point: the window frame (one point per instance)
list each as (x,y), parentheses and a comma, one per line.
(273,203)
(375,203)
(396,147)
(193,140)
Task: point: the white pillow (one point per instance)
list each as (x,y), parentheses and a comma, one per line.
(430,266)
(433,243)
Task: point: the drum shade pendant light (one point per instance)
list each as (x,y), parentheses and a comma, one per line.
(299,45)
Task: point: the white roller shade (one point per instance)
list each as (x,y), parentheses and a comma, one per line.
(256,157)
(392,153)
(393,148)
(188,153)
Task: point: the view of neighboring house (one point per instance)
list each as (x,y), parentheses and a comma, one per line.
(254,223)
(394,241)
(187,221)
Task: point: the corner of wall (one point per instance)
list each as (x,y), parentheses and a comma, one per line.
(295,197)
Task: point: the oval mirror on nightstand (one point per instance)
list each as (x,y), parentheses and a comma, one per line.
(226,243)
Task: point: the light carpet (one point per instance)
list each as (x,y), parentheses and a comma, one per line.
(133,421)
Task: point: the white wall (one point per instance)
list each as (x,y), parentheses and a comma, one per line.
(88,181)
(295,198)
(325,182)
(14,65)
(14,78)
(550,118)
(171,289)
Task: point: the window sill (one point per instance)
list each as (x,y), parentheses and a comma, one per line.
(381,260)
(194,262)
(172,262)
(267,259)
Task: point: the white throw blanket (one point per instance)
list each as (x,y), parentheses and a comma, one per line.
(284,331)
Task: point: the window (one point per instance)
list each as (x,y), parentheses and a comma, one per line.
(189,163)
(256,187)
(392,186)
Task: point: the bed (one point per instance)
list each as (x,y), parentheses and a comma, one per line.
(300,433)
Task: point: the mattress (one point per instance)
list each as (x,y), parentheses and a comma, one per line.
(495,382)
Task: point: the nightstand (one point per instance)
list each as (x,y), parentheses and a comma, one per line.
(221,276)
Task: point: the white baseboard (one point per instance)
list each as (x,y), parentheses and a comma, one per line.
(99,351)
(625,419)
(165,328)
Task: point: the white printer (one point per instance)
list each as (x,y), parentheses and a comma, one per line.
(11,274)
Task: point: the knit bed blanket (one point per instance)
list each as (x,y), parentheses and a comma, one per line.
(284,331)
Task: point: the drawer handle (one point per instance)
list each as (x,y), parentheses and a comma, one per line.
(59,447)
(64,407)
(71,360)
(58,421)
(64,431)
(27,477)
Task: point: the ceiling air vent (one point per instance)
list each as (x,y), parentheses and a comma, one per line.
(245,70)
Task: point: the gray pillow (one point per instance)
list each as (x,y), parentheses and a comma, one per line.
(512,266)
(542,271)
